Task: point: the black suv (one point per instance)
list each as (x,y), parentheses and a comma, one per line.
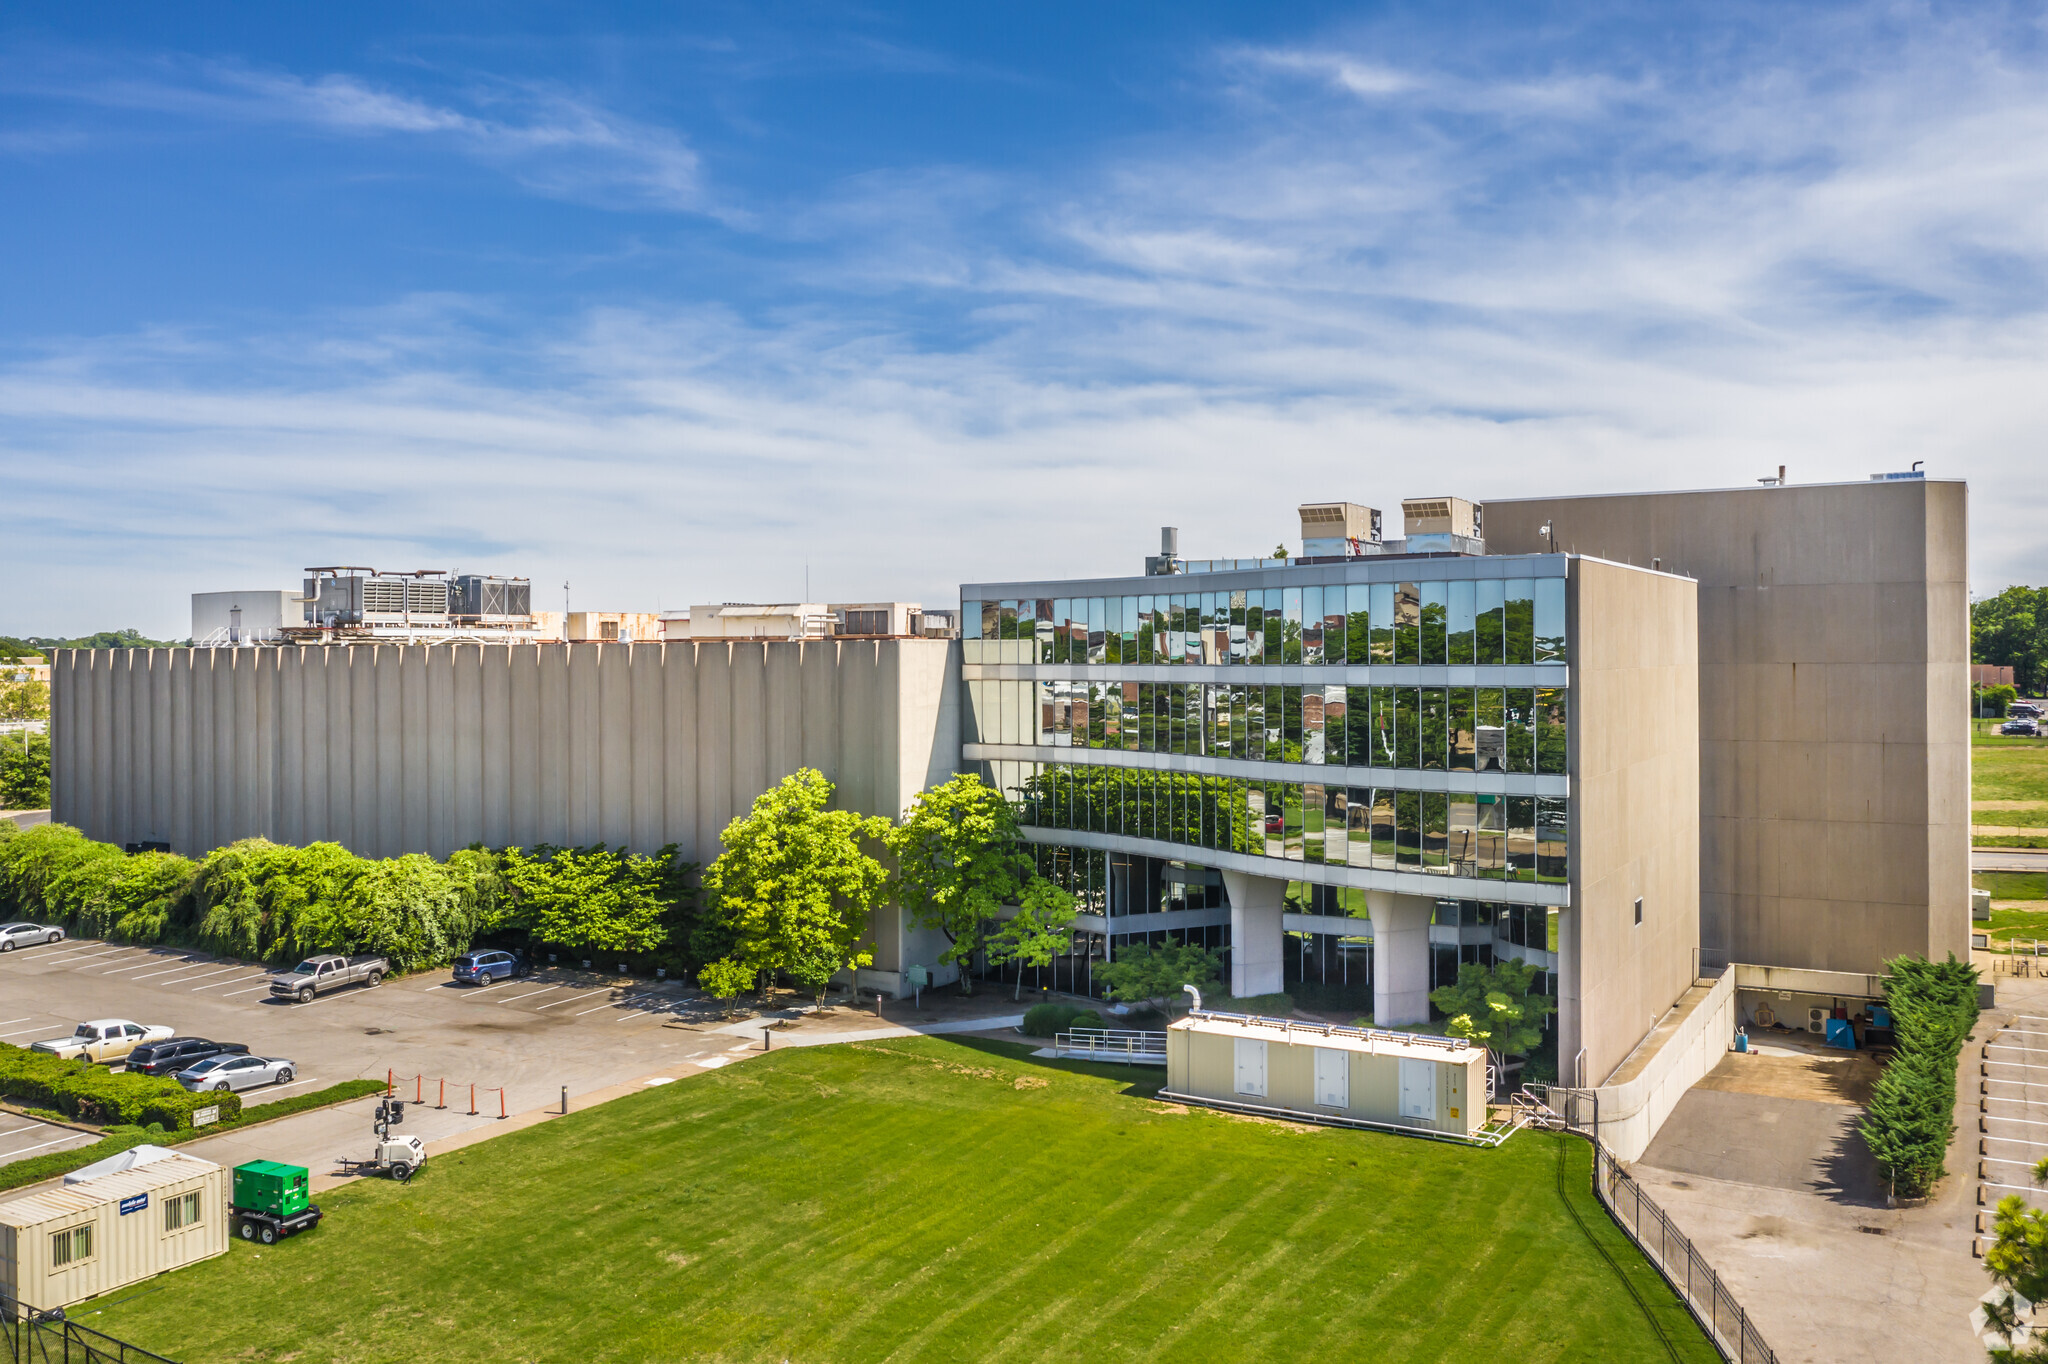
(174,1054)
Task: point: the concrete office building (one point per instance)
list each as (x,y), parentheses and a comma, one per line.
(390,749)
(1834,643)
(1391,728)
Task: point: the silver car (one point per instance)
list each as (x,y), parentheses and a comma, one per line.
(28,935)
(236,1073)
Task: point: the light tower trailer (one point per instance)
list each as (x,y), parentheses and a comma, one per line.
(396,1155)
(271,1200)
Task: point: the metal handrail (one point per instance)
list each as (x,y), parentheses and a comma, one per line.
(1294,1025)
(1123,1044)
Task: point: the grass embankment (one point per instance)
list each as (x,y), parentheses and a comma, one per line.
(933,1199)
(2008,788)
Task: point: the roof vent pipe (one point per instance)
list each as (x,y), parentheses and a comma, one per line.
(1169,542)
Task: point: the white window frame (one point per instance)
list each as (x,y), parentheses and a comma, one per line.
(68,1237)
(178,1205)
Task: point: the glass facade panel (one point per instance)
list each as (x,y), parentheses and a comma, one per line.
(1237,627)
(1462,621)
(1275,624)
(1435,727)
(1385,832)
(1493,832)
(1382,623)
(970,620)
(1290,625)
(1312,624)
(1521,620)
(1358,623)
(1358,731)
(1358,836)
(1408,830)
(1521,838)
(1489,736)
(1006,619)
(1254,650)
(1407,622)
(1191,639)
(1042,629)
(1276,819)
(1550,731)
(1336,726)
(1133,717)
(1436,608)
(1098,638)
(1463,743)
(1521,708)
(1435,833)
(1312,828)
(1290,793)
(1407,705)
(1549,613)
(1489,631)
(1255,723)
(1335,831)
(1461,850)
(1312,720)
(1552,842)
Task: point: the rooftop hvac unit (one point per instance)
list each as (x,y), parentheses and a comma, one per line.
(479,596)
(1338,530)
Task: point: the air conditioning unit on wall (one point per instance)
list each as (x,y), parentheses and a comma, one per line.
(1816,1020)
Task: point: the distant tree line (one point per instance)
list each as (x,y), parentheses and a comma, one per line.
(27,646)
(2010,630)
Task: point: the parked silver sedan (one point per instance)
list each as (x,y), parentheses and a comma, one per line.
(237,1073)
(25,935)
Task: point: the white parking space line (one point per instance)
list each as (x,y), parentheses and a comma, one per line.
(23,1019)
(90,955)
(24,1032)
(279,1089)
(185,966)
(250,991)
(613,1004)
(22,1151)
(558,1003)
(137,966)
(17,1131)
(514,999)
(214,984)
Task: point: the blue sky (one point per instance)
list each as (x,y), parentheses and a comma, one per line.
(671,301)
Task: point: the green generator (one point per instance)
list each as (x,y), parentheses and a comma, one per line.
(272,1200)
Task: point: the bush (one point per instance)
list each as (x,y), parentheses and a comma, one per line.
(1044,1020)
(37,864)
(94,1094)
(1911,1115)
(25,772)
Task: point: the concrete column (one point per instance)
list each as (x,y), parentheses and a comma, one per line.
(1255,933)
(1570,1032)
(1400,957)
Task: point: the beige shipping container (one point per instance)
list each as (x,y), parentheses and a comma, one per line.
(64,1245)
(1399,1080)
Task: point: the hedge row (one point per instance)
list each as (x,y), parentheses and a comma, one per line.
(1049,1020)
(1911,1115)
(258,900)
(95,1094)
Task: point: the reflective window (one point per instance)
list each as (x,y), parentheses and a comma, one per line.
(1552,844)
(1551,756)
(1436,607)
(1255,722)
(1254,647)
(1098,639)
(1312,834)
(1274,623)
(1462,621)
(1493,832)
(1490,621)
(1042,629)
(1336,726)
(1358,837)
(1290,724)
(1358,730)
(1128,624)
(1312,624)
(1133,717)
(1358,623)
(1521,620)
(1408,830)
(1461,847)
(1276,819)
(1385,830)
(1489,737)
(1296,829)
(1218,701)
(1006,620)
(1521,709)
(1237,627)
(1335,829)
(1435,833)
(1521,838)
(1407,622)
(1549,628)
(1291,625)
(1382,623)
(1312,744)
(1215,626)
(970,619)
(1435,727)
(1459,722)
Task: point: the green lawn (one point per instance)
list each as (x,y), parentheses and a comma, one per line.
(932,1199)
(2018,923)
(2008,769)
(2012,885)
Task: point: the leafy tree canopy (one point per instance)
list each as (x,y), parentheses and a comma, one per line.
(593,898)
(795,887)
(24,700)
(1142,974)
(2011,630)
(1493,1006)
(959,858)
(1042,928)
(24,772)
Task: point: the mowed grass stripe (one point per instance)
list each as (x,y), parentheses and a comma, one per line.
(835,1203)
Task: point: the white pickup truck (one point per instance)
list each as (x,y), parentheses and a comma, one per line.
(318,975)
(102,1039)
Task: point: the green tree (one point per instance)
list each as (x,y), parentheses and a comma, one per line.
(1143,974)
(724,980)
(593,899)
(795,887)
(1494,1006)
(1911,1114)
(24,771)
(1042,928)
(959,859)
(1992,701)
(2011,630)
(24,700)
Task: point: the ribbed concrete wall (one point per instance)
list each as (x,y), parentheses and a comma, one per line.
(390,749)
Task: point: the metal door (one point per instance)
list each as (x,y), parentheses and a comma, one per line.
(1333,1077)
(1251,1066)
(1418,1089)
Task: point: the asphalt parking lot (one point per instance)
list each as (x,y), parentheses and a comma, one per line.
(529,1038)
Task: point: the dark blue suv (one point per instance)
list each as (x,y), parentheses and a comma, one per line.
(488,965)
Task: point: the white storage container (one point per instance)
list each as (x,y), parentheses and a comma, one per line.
(64,1245)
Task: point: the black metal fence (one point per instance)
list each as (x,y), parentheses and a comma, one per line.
(49,1338)
(1657,1236)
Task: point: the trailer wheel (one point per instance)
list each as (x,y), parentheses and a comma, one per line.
(248,1230)
(268,1235)
(401,1171)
